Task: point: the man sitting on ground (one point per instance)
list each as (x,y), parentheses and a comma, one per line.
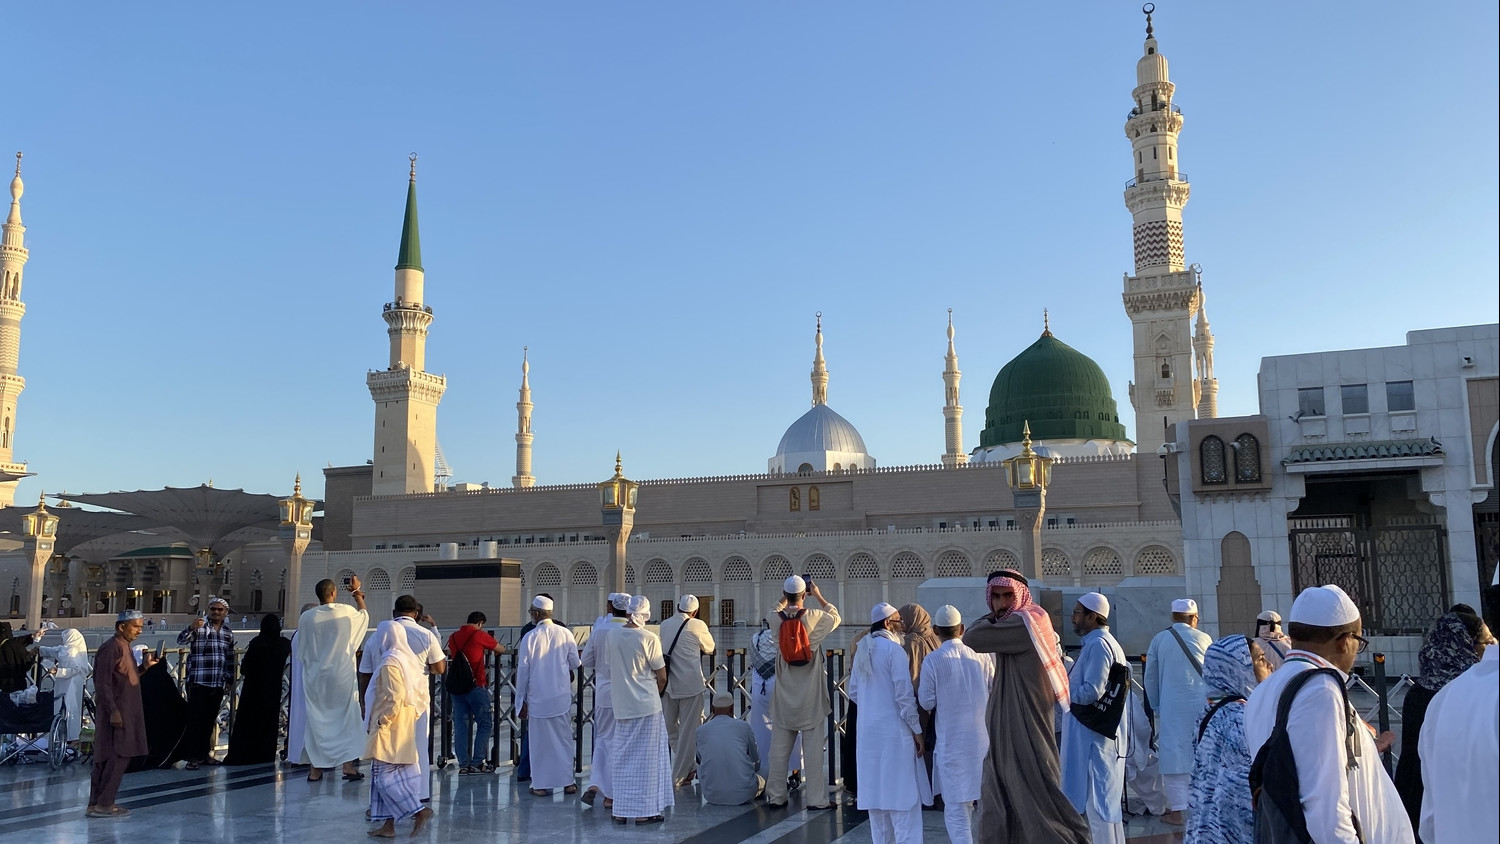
(727,757)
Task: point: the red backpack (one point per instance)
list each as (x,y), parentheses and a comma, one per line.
(795,647)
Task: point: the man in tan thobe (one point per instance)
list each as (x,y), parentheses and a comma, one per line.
(800,705)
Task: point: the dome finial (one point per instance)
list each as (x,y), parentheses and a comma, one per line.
(525,361)
(1046,324)
(950,325)
(297,485)
(1147,10)
(820,368)
(1026,439)
(617,464)
(413,158)
(18,162)
(16,189)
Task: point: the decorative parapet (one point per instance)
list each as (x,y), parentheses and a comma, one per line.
(394,384)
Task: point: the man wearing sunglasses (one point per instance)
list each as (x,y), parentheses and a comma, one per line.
(1345,793)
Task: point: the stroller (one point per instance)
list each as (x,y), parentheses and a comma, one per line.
(33,730)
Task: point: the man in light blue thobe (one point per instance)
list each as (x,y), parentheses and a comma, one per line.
(1093,765)
(1177,694)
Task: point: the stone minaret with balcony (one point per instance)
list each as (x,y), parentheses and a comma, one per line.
(953,412)
(13,255)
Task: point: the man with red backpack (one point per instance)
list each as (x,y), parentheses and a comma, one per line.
(800,704)
(469,691)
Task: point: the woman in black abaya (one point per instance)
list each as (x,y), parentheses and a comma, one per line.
(256,735)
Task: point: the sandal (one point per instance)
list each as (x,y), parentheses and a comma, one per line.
(540,792)
(590,796)
(467,769)
(570,789)
(315,775)
(354,777)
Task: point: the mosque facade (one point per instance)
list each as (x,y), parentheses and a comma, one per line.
(825,507)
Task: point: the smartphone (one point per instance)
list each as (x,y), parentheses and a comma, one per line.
(807,578)
(346,583)
(161,648)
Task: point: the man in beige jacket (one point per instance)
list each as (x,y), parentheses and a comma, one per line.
(800,704)
(684,640)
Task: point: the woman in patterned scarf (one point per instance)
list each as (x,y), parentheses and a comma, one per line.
(1220,797)
(1450,647)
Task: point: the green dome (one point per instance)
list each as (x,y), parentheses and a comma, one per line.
(1059,390)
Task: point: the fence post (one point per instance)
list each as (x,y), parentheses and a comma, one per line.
(1385,716)
(578,727)
(833,728)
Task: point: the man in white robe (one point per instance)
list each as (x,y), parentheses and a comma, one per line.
(296,711)
(1176,693)
(328,639)
(685,639)
(429,650)
(642,773)
(892,779)
(1093,765)
(546,658)
(1459,745)
(1325,632)
(601,783)
(955,683)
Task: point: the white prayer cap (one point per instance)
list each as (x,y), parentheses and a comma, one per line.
(1095,602)
(1270,615)
(687,603)
(542,602)
(723,700)
(1185,606)
(880,612)
(947,616)
(794,585)
(620,601)
(1324,606)
(640,609)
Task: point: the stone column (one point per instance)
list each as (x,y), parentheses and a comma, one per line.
(1031,506)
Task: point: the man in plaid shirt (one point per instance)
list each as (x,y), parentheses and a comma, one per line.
(210,670)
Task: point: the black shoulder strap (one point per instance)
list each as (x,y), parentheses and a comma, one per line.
(1203,725)
(1192,658)
(1284,708)
(673,647)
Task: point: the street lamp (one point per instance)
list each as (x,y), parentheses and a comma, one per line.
(296,532)
(1028,475)
(206,570)
(40,528)
(617,506)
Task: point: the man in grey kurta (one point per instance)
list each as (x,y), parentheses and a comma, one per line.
(684,641)
(799,704)
(1021,800)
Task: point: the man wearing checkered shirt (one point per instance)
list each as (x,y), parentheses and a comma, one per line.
(210,671)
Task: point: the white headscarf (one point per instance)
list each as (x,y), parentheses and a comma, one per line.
(640,610)
(71,654)
(395,651)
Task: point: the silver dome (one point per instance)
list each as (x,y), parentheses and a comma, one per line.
(821,429)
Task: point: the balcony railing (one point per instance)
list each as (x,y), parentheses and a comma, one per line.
(1138,111)
(1158,177)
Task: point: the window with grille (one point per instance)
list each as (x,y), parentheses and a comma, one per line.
(630,574)
(697,571)
(584,574)
(907,564)
(726,612)
(862,566)
(408,579)
(1246,459)
(1211,460)
(1155,559)
(954,564)
(1055,563)
(548,575)
(380,581)
(736,569)
(666,609)
(657,571)
(343,577)
(1001,559)
(776,568)
(1102,562)
(820,568)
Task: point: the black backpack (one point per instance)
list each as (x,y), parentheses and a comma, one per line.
(1275,790)
(459,678)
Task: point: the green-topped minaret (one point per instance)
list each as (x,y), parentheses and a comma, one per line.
(406,395)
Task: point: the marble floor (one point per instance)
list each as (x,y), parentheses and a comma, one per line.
(264,803)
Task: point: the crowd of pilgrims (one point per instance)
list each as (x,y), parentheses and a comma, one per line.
(1247,738)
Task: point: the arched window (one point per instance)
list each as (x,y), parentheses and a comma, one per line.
(737,569)
(954,564)
(408,579)
(1055,563)
(1155,559)
(813,500)
(584,574)
(548,575)
(907,564)
(775,569)
(658,571)
(1000,559)
(697,571)
(1102,562)
(630,574)
(795,497)
(1211,460)
(862,566)
(380,581)
(805,468)
(1246,459)
(820,568)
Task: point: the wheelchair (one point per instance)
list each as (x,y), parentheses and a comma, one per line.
(33,731)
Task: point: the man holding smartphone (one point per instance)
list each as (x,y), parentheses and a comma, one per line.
(210,670)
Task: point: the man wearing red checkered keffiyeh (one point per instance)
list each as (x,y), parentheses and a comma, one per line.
(1020,798)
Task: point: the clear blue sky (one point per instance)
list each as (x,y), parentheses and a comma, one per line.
(656,198)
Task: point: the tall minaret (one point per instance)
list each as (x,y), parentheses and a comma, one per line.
(953,412)
(523,477)
(13,255)
(1203,359)
(1162,296)
(820,369)
(406,395)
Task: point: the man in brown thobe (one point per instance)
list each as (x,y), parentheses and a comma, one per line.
(1020,798)
(121,731)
